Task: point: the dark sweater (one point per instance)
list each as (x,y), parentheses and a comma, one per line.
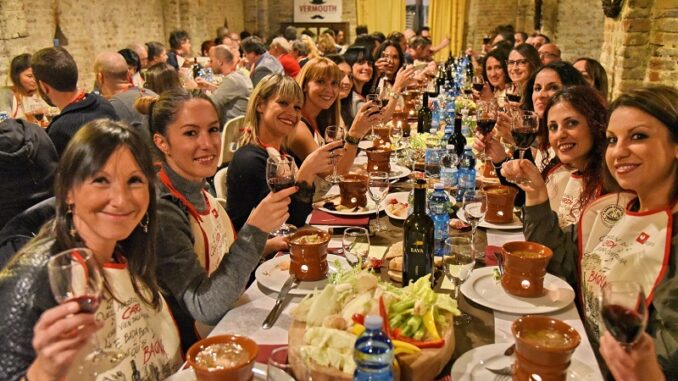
(28,163)
(247,187)
(75,115)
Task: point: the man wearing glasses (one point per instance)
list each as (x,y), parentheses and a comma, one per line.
(549,53)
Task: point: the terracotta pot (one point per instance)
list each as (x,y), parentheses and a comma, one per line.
(548,360)
(499,204)
(308,261)
(525,268)
(241,373)
(353,190)
(378,159)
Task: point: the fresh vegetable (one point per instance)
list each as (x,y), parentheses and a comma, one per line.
(422,344)
(329,347)
(358,318)
(384,316)
(400,346)
(430,324)
(358,329)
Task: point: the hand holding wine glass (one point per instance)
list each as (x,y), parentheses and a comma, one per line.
(378,184)
(524,133)
(376,100)
(74,275)
(624,311)
(333,134)
(356,245)
(486,118)
(280,174)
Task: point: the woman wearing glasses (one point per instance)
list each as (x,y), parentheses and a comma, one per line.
(522,62)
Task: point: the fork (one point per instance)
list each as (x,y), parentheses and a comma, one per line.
(505,371)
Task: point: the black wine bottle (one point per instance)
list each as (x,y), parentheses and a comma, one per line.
(457,139)
(418,238)
(425,116)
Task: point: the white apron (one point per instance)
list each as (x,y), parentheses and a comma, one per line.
(616,244)
(148,338)
(213,232)
(564,188)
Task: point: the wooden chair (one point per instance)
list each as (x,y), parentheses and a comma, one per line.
(229,139)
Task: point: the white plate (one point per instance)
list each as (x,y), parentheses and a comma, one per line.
(401,197)
(366,144)
(370,209)
(270,275)
(484,290)
(515,224)
(471,365)
(188,374)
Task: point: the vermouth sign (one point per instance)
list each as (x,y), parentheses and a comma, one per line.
(317,10)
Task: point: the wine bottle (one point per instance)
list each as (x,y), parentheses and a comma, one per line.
(457,139)
(418,238)
(425,116)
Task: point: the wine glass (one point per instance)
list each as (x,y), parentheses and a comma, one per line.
(473,204)
(524,133)
(478,83)
(378,184)
(356,245)
(75,275)
(486,118)
(459,260)
(624,311)
(396,133)
(374,98)
(513,94)
(333,134)
(280,173)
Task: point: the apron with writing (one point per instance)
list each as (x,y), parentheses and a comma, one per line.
(147,338)
(213,232)
(616,244)
(564,188)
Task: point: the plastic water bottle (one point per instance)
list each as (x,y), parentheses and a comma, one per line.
(373,353)
(448,167)
(435,116)
(467,173)
(438,206)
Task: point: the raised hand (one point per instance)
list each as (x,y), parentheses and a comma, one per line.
(272,211)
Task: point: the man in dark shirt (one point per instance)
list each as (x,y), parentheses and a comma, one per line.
(56,73)
(180,48)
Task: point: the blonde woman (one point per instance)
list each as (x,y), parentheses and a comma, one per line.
(272,113)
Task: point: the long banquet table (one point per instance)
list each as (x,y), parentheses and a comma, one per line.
(486,326)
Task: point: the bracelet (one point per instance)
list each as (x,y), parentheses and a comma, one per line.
(351,140)
(393,94)
(501,164)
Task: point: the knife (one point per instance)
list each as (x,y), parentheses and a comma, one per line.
(292,281)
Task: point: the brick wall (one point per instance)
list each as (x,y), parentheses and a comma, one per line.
(95,26)
(579,28)
(641,44)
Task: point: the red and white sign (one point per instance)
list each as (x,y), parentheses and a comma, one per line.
(317,10)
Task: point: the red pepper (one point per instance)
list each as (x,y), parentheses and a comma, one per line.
(384,316)
(396,332)
(358,318)
(422,344)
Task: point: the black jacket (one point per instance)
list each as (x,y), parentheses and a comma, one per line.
(75,115)
(22,228)
(28,163)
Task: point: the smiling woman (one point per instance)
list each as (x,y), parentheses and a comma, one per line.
(105,201)
(201,263)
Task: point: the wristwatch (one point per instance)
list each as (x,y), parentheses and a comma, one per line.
(352,140)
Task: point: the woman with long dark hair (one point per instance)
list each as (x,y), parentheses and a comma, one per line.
(106,202)
(202,263)
(623,236)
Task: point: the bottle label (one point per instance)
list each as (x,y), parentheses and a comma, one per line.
(418,259)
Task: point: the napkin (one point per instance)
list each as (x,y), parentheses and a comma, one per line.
(319,217)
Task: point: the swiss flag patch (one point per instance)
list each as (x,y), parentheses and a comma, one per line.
(642,238)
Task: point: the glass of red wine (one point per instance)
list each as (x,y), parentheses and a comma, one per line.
(624,311)
(486,118)
(280,172)
(75,275)
(333,134)
(478,83)
(524,132)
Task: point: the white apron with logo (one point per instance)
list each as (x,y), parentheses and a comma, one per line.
(148,338)
(564,188)
(616,244)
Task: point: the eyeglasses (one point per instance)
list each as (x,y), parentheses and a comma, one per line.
(522,62)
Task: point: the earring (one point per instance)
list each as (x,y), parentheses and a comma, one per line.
(144,223)
(69,216)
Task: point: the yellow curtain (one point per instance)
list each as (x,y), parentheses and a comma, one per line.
(384,16)
(446,18)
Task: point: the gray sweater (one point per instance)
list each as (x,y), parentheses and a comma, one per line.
(193,295)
